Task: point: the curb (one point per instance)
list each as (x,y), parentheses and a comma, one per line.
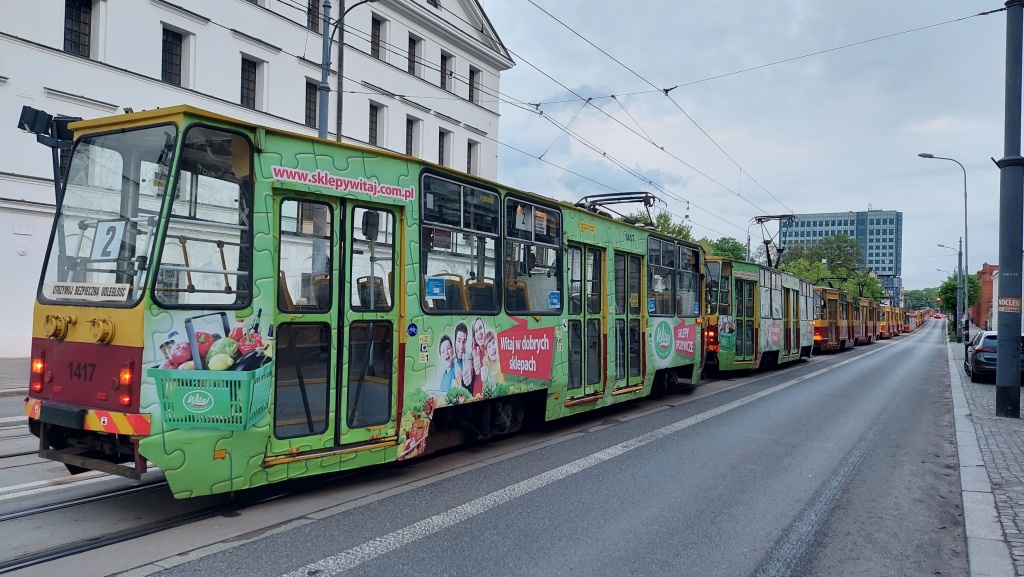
(988,554)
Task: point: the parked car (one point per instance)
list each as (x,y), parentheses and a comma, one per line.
(980,362)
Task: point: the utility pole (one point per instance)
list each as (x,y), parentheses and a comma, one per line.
(325,73)
(1011,224)
(960,301)
(341,71)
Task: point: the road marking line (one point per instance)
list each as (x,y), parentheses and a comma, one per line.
(378,547)
(18,419)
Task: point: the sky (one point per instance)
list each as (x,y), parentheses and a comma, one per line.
(836,131)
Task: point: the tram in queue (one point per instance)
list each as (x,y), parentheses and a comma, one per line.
(831,325)
(239,305)
(756,316)
(886,326)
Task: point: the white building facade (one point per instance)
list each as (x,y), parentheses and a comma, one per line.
(421,77)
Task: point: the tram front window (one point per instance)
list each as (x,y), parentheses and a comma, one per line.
(102,241)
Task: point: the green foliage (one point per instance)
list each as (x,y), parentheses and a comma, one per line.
(664,224)
(838,252)
(728,247)
(919,299)
(805,269)
(947,292)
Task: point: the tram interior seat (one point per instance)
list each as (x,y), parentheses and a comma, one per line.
(379,300)
(482,295)
(454,294)
(517,295)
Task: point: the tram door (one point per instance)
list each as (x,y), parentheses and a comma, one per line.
(625,320)
(745,320)
(334,326)
(832,309)
(586,338)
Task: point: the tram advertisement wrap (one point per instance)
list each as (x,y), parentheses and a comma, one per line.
(669,341)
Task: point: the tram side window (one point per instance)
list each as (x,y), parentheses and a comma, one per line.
(208,240)
(660,276)
(302,379)
(776,295)
(766,294)
(304,281)
(819,306)
(372,266)
(533,259)
(687,283)
(725,296)
(712,272)
(459,247)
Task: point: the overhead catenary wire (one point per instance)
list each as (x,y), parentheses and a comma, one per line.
(522,105)
(666,92)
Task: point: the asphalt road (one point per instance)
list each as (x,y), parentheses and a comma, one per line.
(849,471)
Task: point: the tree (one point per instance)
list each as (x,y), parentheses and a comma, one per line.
(840,253)
(813,271)
(663,223)
(729,247)
(947,292)
(921,298)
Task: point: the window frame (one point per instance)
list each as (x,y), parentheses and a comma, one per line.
(255,83)
(176,59)
(86,22)
(559,247)
(498,237)
(331,243)
(158,253)
(395,252)
(313,10)
(312,112)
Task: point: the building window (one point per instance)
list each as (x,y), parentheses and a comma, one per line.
(447,70)
(171,63)
(474,85)
(249,73)
(472,154)
(443,138)
(374,119)
(434,3)
(376,39)
(412,136)
(77,26)
(312,96)
(313,15)
(414,51)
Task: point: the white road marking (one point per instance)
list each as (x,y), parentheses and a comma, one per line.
(378,547)
(36,487)
(18,419)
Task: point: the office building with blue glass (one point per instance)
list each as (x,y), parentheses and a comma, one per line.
(879,233)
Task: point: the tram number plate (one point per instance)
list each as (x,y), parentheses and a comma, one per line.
(81,371)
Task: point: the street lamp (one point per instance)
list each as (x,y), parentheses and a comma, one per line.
(967,325)
(961,300)
(325,65)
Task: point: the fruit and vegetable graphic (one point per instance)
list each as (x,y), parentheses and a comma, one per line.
(415,425)
(244,349)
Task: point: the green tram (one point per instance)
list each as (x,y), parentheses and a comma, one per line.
(240,305)
(756,316)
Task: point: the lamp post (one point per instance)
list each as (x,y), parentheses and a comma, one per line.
(325,65)
(966,267)
(961,302)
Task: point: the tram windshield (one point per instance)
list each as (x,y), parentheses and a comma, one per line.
(103,234)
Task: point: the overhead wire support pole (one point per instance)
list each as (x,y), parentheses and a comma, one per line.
(1011,224)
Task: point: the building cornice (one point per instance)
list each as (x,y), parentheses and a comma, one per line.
(3,80)
(255,41)
(80,100)
(491,55)
(183,12)
(185,92)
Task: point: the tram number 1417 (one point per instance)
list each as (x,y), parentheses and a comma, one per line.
(81,371)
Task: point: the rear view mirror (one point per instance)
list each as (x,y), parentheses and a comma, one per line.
(371,225)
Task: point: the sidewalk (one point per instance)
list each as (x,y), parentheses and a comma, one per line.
(991,451)
(14,377)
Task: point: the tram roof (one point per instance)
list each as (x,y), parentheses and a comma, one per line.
(177,114)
